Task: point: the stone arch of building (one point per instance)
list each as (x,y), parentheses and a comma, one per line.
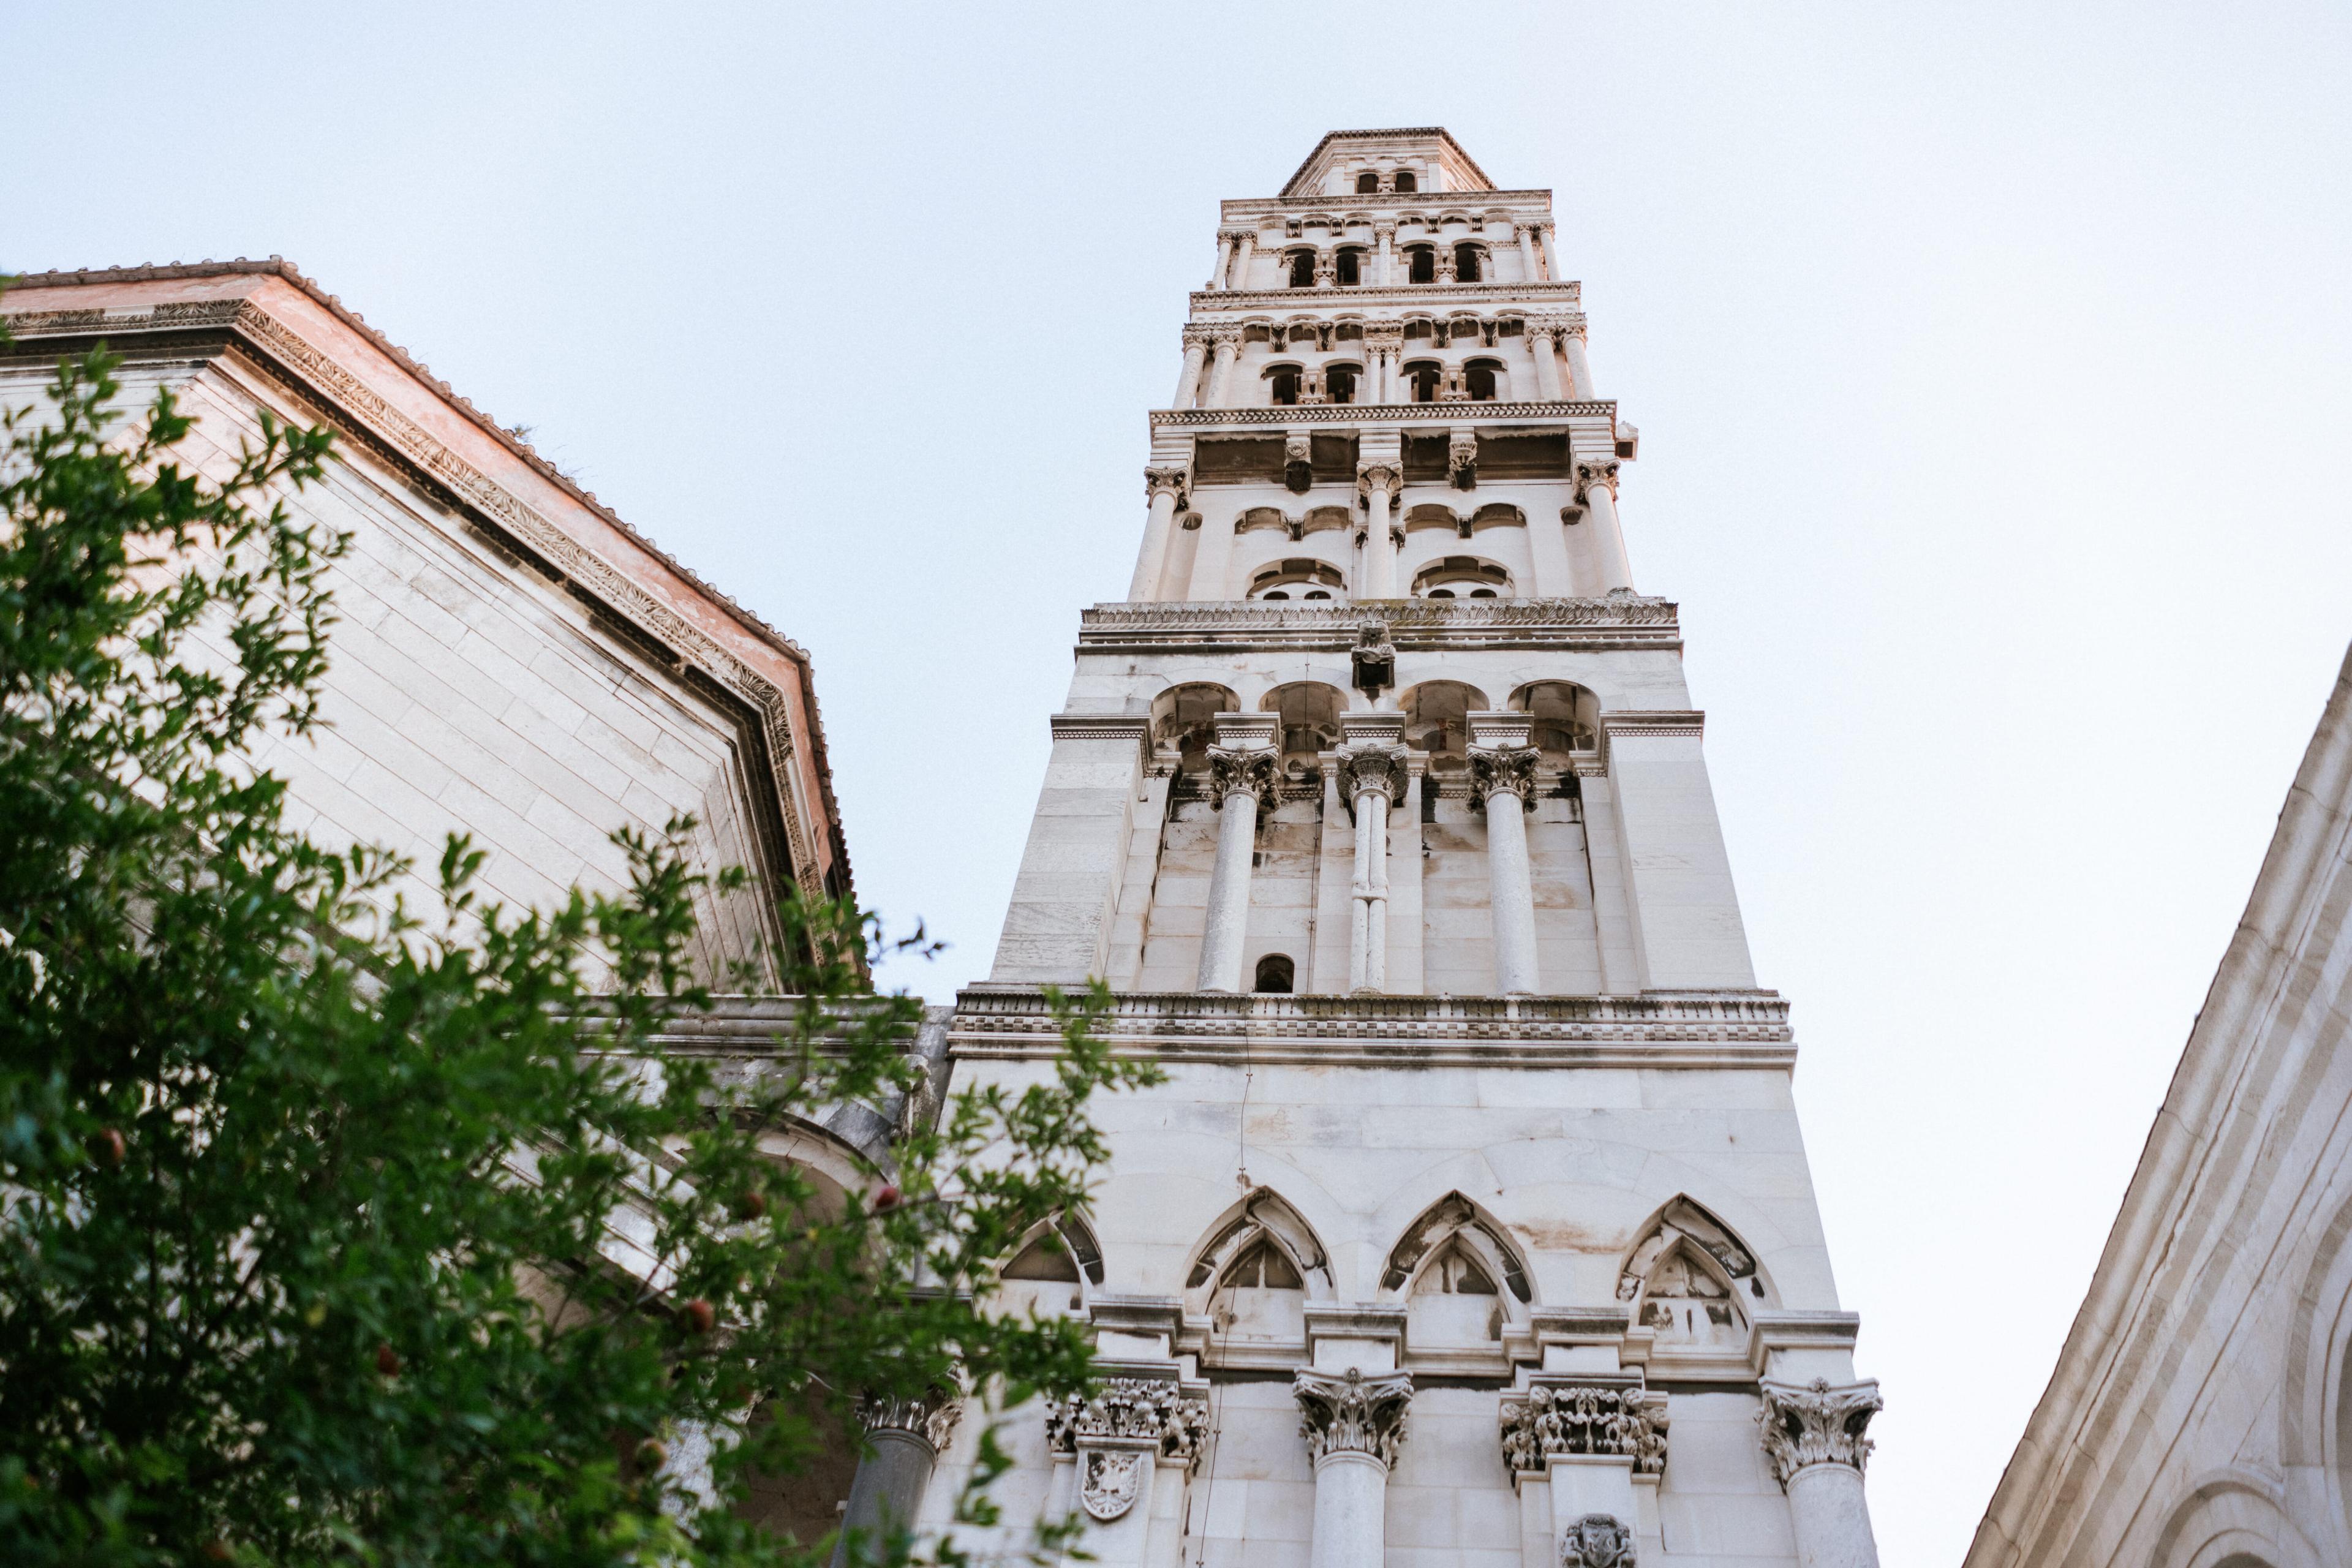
(2231,1518)
(2315,1405)
(1683,1221)
(1265,1215)
(1455,1220)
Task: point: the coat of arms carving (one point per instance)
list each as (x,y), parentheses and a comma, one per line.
(1597,1541)
(1108,1485)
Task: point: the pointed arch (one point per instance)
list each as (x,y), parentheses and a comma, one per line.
(1264,1216)
(1689,1279)
(1455,1219)
(1063,1248)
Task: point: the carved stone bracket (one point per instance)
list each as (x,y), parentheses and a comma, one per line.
(1612,1420)
(931,1418)
(1499,769)
(1249,772)
(1351,1414)
(1815,1424)
(1597,1541)
(1462,459)
(1145,1412)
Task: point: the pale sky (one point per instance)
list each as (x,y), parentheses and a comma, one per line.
(1990,360)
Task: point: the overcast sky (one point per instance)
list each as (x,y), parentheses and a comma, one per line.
(1990,360)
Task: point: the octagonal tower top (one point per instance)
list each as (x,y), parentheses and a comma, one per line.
(1428,154)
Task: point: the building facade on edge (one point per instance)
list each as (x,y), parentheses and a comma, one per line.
(2201,1412)
(1473,1224)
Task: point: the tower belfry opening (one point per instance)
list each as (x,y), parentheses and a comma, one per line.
(1381,801)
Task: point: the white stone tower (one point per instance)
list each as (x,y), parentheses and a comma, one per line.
(1472,1224)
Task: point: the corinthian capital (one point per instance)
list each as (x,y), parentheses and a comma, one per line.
(1198,337)
(1814,1423)
(1176,481)
(931,1418)
(1129,1410)
(1384,228)
(1388,335)
(1601,471)
(1377,476)
(1352,1413)
(1503,770)
(1225,338)
(1234,771)
(1371,769)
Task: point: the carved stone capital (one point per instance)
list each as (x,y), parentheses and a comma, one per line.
(1390,338)
(1351,1414)
(1231,772)
(1815,1424)
(1131,1412)
(1600,471)
(1614,1420)
(1228,235)
(1198,337)
(1503,770)
(931,1418)
(1298,447)
(1371,769)
(1572,326)
(1176,481)
(1225,340)
(1384,476)
(1597,1541)
(1384,228)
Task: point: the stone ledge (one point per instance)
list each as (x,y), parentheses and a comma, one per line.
(1444,413)
(1684,1029)
(1617,621)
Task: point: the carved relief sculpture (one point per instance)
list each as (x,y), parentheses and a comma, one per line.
(1150,1410)
(1585,1418)
(1597,1541)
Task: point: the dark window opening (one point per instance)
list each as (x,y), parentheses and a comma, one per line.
(1406,182)
(1352,268)
(1274,974)
(1479,376)
(1367,183)
(1302,270)
(1445,593)
(1465,263)
(1317,594)
(1340,380)
(1286,387)
(1423,263)
(1479,592)
(1424,378)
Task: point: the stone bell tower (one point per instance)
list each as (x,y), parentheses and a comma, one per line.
(1472,1221)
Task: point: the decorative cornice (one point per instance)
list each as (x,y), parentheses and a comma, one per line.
(1382,414)
(1617,621)
(1674,1030)
(353,401)
(1352,1413)
(1814,1423)
(1224,299)
(1565,1416)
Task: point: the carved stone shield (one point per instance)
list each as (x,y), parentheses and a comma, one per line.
(1109,1483)
(1597,1541)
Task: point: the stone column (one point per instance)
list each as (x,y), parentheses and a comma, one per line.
(1580,370)
(1542,339)
(1547,249)
(1164,489)
(1241,774)
(1227,343)
(903,1441)
(1524,233)
(1133,1446)
(1244,251)
(1596,492)
(1187,380)
(1813,1436)
(1502,775)
(1382,346)
(1372,776)
(1384,242)
(1377,482)
(1354,1427)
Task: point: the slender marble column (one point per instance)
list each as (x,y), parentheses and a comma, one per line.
(1813,1436)
(1547,250)
(1354,1427)
(1580,371)
(1244,251)
(1381,348)
(1221,275)
(1503,776)
(1164,487)
(1542,337)
(1187,380)
(1384,238)
(1525,235)
(1228,344)
(904,1438)
(1372,775)
(1239,776)
(1596,490)
(1379,481)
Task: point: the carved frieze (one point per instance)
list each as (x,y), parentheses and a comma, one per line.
(1606,1420)
(1348,1413)
(1816,1423)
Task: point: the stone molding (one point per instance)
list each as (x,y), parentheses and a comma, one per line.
(1568,1415)
(1569,292)
(1668,1030)
(1386,413)
(1348,1413)
(931,1418)
(1618,620)
(1815,1424)
(1135,1412)
(353,402)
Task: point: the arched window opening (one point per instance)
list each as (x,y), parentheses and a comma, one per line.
(1274,973)
(1050,1271)
(1483,377)
(1454,1302)
(1258,1290)
(1286,579)
(1339,383)
(1407,181)
(1567,717)
(1350,264)
(1461,1280)
(1283,380)
(1420,264)
(1183,716)
(1692,1279)
(1302,269)
(1309,711)
(1461,577)
(1315,594)
(1367,183)
(1438,721)
(1424,376)
(1465,263)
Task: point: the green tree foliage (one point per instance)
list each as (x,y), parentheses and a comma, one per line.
(336,1230)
